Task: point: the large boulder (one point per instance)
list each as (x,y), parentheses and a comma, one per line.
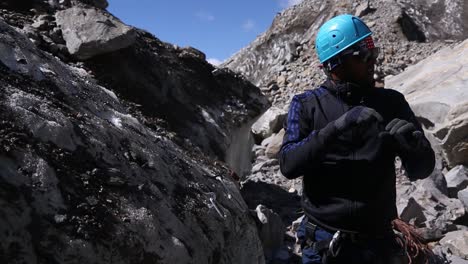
(436,89)
(274,146)
(456,243)
(86,177)
(172,83)
(270,122)
(91,31)
(457,179)
(457,260)
(424,205)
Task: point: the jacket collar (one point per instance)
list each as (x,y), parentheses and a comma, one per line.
(349,92)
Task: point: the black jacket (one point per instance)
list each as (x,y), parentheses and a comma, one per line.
(349,183)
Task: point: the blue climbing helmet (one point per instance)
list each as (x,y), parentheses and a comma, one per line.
(338,34)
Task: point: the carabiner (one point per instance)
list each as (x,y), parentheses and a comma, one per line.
(334,247)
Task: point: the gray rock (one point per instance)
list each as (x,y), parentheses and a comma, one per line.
(271,230)
(423,204)
(191,52)
(258,167)
(271,195)
(275,145)
(40,25)
(413,212)
(239,153)
(25,62)
(30,32)
(456,242)
(463,197)
(258,150)
(438,178)
(362,10)
(56,35)
(267,140)
(457,260)
(435,89)
(457,179)
(89,32)
(270,122)
(430,234)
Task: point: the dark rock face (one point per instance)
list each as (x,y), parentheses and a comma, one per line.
(442,19)
(97,3)
(20,5)
(107,162)
(51,5)
(173,85)
(410,29)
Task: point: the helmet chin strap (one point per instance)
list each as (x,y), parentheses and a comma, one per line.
(346,87)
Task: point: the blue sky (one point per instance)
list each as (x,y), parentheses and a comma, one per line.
(219,28)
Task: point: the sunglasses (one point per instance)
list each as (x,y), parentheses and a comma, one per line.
(364,54)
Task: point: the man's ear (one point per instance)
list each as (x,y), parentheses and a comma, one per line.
(338,72)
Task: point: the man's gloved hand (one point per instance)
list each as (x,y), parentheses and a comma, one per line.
(405,134)
(356,116)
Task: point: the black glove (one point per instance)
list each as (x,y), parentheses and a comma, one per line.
(405,134)
(356,116)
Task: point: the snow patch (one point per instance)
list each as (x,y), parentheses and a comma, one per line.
(116,121)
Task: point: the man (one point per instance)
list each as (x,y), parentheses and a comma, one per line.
(343,137)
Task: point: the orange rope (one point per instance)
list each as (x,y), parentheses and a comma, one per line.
(415,249)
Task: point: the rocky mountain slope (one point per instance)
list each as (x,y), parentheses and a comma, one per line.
(110,151)
(282,61)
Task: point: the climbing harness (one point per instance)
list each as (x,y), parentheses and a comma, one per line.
(325,247)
